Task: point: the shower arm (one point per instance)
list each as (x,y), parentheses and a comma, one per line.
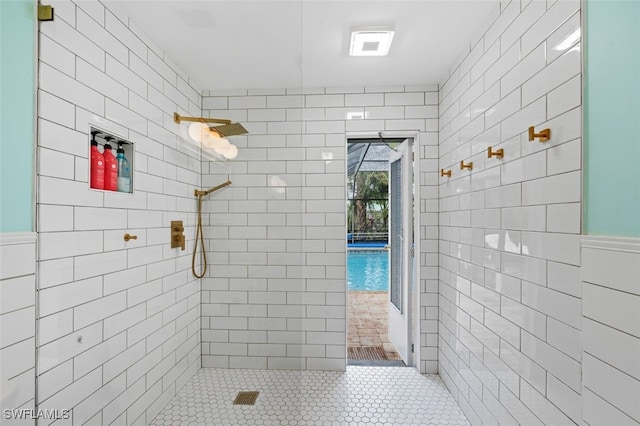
(177,118)
(198,193)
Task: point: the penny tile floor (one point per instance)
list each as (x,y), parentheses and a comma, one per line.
(392,396)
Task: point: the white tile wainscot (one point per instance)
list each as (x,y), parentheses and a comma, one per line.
(611,330)
(17,324)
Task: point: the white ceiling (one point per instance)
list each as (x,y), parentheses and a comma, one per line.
(239,44)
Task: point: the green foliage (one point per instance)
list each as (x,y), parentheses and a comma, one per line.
(369,209)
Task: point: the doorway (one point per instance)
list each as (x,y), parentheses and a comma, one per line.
(380,234)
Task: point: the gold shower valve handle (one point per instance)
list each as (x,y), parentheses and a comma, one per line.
(128,237)
(444,173)
(178,241)
(177,234)
(543,136)
(469,165)
(498,153)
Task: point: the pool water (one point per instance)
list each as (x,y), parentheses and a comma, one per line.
(368,270)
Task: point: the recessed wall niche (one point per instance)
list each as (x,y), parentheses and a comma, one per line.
(111,159)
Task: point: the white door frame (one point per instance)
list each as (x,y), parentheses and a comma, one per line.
(415,291)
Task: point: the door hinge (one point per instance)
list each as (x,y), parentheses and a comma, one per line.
(412,348)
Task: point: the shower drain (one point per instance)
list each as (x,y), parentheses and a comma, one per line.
(246,398)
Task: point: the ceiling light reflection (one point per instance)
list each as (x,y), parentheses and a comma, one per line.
(569,41)
(278,185)
(327,155)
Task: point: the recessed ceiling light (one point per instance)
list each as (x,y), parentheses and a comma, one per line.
(372,41)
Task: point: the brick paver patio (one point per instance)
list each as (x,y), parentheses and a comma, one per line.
(367,321)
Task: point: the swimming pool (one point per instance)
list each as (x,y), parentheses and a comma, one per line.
(368,270)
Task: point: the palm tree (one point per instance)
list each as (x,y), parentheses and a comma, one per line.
(371,190)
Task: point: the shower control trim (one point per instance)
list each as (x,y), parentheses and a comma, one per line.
(177,234)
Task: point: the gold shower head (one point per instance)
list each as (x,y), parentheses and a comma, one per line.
(226,130)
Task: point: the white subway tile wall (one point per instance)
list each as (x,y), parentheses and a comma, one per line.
(119,321)
(17,324)
(518,315)
(611,330)
(274,296)
(510,307)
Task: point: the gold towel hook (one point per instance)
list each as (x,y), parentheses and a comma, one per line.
(544,135)
(491,153)
(469,165)
(443,173)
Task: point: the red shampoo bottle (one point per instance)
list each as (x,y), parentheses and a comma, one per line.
(110,168)
(97,165)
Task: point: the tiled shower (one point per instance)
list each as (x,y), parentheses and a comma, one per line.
(516,316)
(276,295)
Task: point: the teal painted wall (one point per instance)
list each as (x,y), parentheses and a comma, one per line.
(17,112)
(612,118)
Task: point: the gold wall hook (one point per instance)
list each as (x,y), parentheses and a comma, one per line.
(128,237)
(469,165)
(443,173)
(544,135)
(498,153)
